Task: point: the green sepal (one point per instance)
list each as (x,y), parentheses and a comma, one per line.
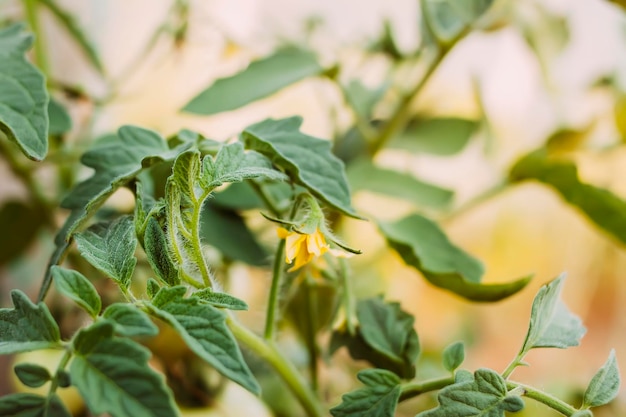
(27,327)
(24,99)
(32,375)
(307,160)
(110,248)
(485,395)
(113,376)
(32,405)
(604,385)
(204,329)
(220,299)
(423,245)
(378,398)
(76,287)
(129,320)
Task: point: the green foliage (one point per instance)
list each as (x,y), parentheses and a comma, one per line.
(155,245)
(32,375)
(110,248)
(438,136)
(32,405)
(27,327)
(76,287)
(449,19)
(24,100)
(378,398)
(204,330)
(604,385)
(220,299)
(259,80)
(307,160)
(485,396)
(60,121)
(453,356)
(423,245)
(113,375)
(130,321)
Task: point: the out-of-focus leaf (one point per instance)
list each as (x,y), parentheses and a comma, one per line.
(19,223)
(448,19)
(24,98)
(378,398)
(604,385)
(362,99)
(60,120)
(364,175)
(32,375)
(601,206)
(307,160)
(227,231)
(32,405)
(453,356)
(438,136)
(261,79)
(423,245)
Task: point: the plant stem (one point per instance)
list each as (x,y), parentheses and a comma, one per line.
(272,304)
(542,397)
(348,300)
(40,48)
(478,200)
(197,246)
(413,389)
(67,355)
(267,350)
(268,201)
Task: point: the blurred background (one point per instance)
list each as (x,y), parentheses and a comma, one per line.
(534,71)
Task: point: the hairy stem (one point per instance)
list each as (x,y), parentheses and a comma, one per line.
(272,304)
(267,351)
(413,389)
(542,397)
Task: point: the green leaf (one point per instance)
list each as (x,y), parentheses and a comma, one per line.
(32,375)
(449,19)
(19,223)
(601,206)
(71,25)
(130,321)
(604,385)
(261,79)
(110,248)
(485,396)
(307,160)
(363,100)
(152,287)
(227,232)
(443,136)
(116,161)
(423,245)
(233,164)
(26,327)
(385,337)
(378,398)
(60,120)
(220,299)
(204,330)
(453,356)
(552,325)
(24,99)
(75,286)
(364,175)
(113,376)
(32,405)
(156,247)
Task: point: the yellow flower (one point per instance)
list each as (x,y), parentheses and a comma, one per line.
(301,247)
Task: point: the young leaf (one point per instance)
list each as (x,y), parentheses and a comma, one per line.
(116,161)
(259,80)
(32,405)
(364,175)
(307,160)
(449,19)
(220,300)
(113,376)
(156,247)
(453,356)
(378,398)
(604,385)
(32,375)
(438,136)
(233,164)
(130,321)
(26,327)
(75,286)
(24,99)
(423,245)
(60,120)
(152,287)
(601,206)
(485,396)
(385,337)
(110,248)
(552,325)
(204,330)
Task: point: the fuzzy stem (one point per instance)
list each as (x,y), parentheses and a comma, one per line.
(272,305)
(413,389)
(544,398)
